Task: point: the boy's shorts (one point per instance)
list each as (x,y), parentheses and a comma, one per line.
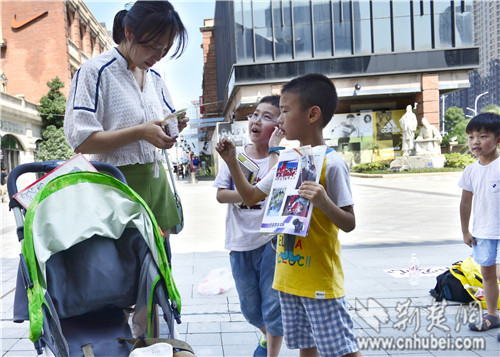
(253,273)
(486,252)
(322,323)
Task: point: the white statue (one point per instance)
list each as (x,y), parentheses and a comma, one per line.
(408,123)
(429,140)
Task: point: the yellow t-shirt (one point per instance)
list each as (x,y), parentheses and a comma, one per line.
(310,266)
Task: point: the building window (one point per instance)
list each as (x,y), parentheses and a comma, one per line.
(402,26)
(342,27)
(263,30)
(282,19)
(463,34)
(422,23)
(83,29)
(362,27)
(322,28)
(302,29)
(443,20)
(69,27)
(382,26)
(244,31)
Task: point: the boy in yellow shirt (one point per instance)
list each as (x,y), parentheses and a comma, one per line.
(308,273)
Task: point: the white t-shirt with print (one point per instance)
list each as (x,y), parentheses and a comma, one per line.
(242,222)
(484,183)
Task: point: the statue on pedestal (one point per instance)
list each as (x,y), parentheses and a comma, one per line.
(408,124)
(428,142)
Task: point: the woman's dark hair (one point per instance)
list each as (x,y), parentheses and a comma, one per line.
(489,122)
(148,20)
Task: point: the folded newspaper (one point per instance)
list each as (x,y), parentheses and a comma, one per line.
(249,168)
(286,211)
(75,164)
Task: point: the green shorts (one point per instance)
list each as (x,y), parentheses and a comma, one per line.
(155,191)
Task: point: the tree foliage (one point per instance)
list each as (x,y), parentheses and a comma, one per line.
(54,145)
(452,117)
(53,104)
(492,108)
(455,124)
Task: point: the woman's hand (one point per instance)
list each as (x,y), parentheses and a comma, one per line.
(183,120)
(276,137)
(153,133)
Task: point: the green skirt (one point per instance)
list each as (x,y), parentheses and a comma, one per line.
(155,191)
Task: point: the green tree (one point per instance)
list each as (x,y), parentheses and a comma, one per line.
(53,104)
(492,108)
(54,145)
(452,117)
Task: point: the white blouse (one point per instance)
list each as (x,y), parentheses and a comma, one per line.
(104,96)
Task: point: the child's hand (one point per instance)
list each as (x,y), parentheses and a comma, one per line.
(469,239)
(276,137)
(226,149)
(315,193)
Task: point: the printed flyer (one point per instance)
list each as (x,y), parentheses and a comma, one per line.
(286,211)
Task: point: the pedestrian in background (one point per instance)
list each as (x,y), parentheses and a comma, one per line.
(3,188)
(480,185)
(117,102)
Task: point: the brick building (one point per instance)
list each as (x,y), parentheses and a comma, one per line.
(39,40)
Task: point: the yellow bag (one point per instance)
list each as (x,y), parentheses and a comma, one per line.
(469,274)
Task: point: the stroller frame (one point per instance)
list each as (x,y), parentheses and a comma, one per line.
(156,282)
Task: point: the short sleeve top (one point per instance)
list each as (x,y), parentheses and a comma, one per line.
(104,96)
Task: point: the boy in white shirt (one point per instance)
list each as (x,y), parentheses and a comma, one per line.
(252,253)
(481,181)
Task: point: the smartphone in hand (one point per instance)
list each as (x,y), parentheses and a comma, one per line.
(170,123)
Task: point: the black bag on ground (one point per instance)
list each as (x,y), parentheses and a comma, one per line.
(450,288)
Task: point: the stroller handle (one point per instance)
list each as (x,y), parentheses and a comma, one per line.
(47,166)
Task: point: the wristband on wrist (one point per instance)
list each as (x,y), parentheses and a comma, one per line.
(275,149)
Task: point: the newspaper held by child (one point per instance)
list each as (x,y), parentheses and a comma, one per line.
(286,211)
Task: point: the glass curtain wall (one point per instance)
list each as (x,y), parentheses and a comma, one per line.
(283,30)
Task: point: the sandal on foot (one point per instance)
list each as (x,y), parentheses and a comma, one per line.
(486,323)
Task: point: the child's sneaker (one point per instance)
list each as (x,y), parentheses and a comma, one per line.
(261,350)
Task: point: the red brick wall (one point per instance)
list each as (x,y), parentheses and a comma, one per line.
(37,52)
(429,99)
(211,109)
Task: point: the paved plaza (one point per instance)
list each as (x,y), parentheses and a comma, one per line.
(396,216)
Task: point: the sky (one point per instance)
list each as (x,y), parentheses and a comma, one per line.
(183,75)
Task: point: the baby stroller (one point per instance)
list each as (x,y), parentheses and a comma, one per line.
(91,249)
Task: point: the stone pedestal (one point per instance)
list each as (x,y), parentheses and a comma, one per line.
(418,162)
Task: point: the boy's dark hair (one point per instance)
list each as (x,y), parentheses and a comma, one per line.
(314,89)
(271,99)
(149,20)
(489,122)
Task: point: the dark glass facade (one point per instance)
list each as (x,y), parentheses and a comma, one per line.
(276,40)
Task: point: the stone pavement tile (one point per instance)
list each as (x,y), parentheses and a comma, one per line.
(18,332)
(204,339)
(206,309)
(206,327)
(454,353)
(23,344)
(240,338)
(237,317)
(208,351)
(237,327)
(20,353)
(7,344)
(243,350)
(203,318)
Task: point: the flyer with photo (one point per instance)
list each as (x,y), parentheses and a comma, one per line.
(286,211)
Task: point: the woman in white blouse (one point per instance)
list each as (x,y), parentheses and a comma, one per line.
(117,102)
